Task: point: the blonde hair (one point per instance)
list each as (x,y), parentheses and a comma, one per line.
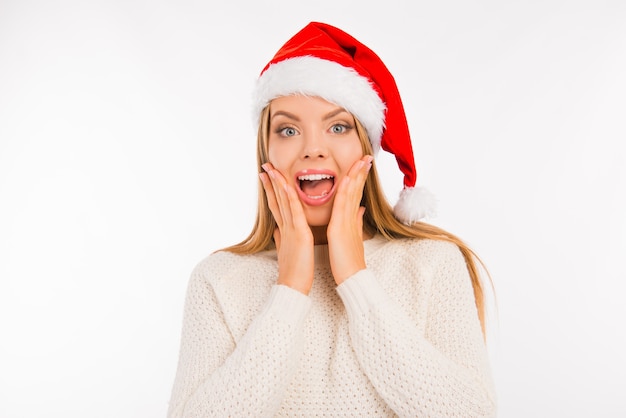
(378,217)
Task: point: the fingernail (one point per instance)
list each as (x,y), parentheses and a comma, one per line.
(262,177)
(370,158)
(264,166)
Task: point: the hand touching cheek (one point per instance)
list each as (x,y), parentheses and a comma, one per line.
(293,237)
(345,229)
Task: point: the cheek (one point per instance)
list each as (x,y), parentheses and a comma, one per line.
(350,153)
(274,153)
(280,154)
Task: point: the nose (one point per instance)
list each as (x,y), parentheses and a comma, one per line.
(314,146)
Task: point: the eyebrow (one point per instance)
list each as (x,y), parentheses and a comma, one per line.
(334,113)
(329,115)
(286,114)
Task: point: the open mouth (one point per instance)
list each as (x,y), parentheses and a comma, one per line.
(316,186)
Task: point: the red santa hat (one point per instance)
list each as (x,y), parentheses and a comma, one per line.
(323,61)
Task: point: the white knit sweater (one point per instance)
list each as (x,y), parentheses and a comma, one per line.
(400,338)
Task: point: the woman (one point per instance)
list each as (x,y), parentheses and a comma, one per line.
(336,304)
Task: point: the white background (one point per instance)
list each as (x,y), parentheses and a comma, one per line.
(127,155)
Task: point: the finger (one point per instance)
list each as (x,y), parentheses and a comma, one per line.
(277,239)
(281,190)
(291,209)
(342,195)
(369,161)
(359,178)
(359,221)
(350,190)
(278,183)
(295,208)
(360,170)
(272,202)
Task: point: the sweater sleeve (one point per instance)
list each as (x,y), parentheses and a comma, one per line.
(218,376)
(440,372)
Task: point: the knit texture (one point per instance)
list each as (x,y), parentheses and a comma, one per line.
(400,338)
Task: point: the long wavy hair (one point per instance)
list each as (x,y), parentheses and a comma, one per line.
(378,217)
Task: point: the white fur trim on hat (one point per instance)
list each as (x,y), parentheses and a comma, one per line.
(311,76)
(415,203)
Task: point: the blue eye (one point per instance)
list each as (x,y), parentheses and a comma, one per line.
(288,131)
(338,129)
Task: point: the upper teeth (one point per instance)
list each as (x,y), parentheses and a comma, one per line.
(312,177)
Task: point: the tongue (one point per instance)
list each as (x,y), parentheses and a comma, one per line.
(316,187)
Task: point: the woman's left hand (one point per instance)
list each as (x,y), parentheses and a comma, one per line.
(345,229)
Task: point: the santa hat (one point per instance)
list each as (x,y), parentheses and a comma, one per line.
(324,61)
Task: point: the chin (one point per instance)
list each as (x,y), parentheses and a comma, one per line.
(317,217)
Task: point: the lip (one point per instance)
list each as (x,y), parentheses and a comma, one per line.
(322,200)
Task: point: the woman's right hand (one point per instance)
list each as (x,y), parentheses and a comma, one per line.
(293,237)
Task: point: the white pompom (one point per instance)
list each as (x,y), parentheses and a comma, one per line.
(415,203)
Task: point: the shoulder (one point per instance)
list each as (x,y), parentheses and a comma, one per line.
(236,285)
(223,269)
(440,266)
(425,253)
(410,270)
(419,263)
(226,262)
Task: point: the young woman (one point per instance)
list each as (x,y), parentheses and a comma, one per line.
(336,304)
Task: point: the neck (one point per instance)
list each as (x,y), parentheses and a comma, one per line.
(320,237)
(319,234)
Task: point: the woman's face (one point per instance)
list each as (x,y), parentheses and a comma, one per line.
(313,144)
